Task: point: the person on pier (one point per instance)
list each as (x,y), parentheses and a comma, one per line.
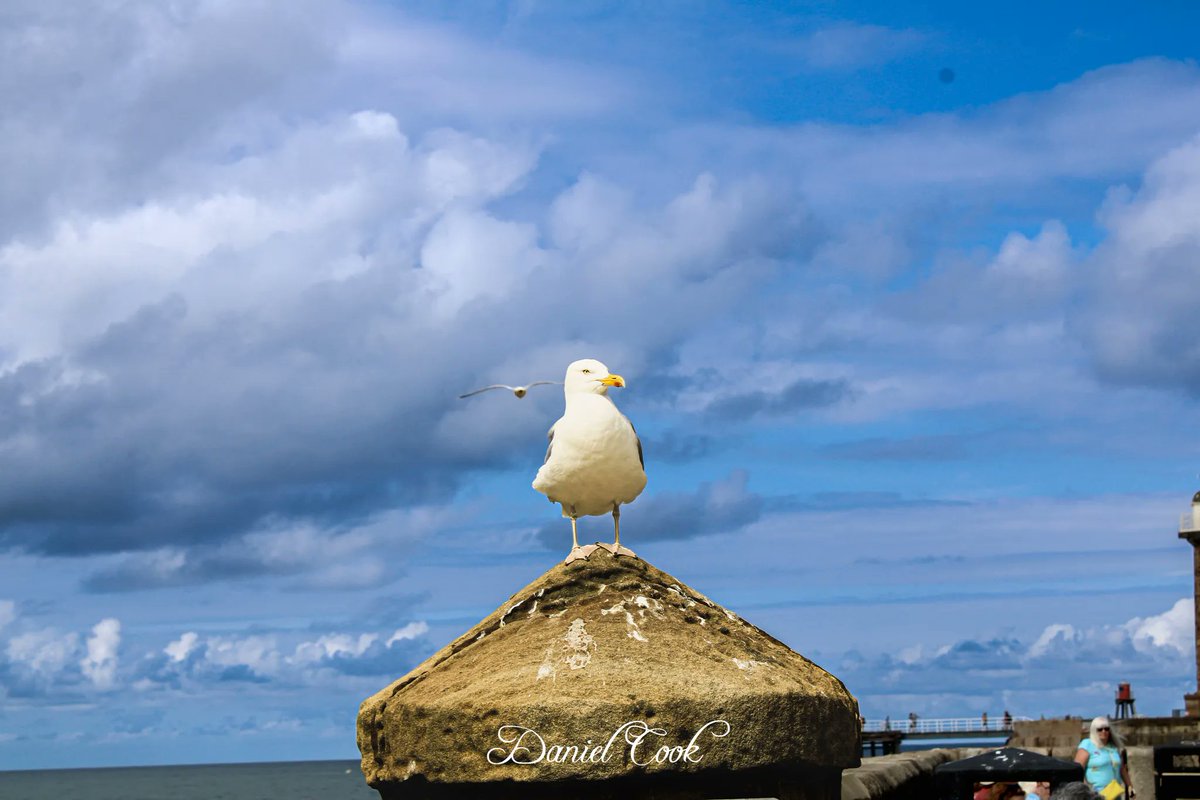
(1102,755)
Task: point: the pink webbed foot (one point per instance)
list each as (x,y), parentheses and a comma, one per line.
(578,552)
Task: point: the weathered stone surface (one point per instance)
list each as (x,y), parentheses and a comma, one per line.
(585,649)
(903,776)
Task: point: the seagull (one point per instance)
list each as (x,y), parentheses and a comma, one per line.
(594,461)
(519,391)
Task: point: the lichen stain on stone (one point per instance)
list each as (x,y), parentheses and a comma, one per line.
(750,667)
(653,605)
(579,645)
(632,629)
(511,609)
(547,669)
(616,609)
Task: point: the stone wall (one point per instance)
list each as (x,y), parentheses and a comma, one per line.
(904,776)
(1062,736)
(909,776)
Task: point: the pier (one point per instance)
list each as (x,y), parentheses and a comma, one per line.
(884,736)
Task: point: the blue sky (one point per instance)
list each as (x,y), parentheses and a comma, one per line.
(905,300)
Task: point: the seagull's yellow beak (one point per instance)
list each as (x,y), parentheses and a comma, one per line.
(613,380)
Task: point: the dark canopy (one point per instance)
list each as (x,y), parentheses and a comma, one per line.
(955,779)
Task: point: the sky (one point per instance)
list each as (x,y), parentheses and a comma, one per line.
(904,296)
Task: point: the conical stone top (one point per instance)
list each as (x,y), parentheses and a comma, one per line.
(599,671)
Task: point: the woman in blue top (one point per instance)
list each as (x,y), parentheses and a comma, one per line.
(1101,755)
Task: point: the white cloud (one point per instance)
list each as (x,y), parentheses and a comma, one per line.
(850,45)
(1067,669)
(182,647)
(260,654)
(100,664)
(1102,125)
(1140,284)
(1168,635)
(1051,638)
(280,658)
(1174,628)
(46,653)
(334,645)
(410,631)
(468,256)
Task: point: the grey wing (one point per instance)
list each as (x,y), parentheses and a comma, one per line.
(641,460)
(550,446)
(486,389)
(543,383)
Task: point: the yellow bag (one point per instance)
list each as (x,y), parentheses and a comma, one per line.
(1114,790)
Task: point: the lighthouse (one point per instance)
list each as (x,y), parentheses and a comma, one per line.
(1189,529)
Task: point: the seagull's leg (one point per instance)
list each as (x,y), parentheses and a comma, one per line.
(616,548)
(576,550)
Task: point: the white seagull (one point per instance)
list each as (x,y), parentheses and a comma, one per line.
(519,391)
(594,461)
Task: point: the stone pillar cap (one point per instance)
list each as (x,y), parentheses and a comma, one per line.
(585,649)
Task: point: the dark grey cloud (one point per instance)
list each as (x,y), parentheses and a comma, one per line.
(183,437)
(714,507)
(142,102)
(1139,286)
(184,424)
(137,573)
(843,501)
(679,447)
(941,447)
(995,654)
(800,395)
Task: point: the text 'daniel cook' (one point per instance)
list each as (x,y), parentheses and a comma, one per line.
(634,740)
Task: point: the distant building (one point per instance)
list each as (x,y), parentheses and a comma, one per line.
(1189,528)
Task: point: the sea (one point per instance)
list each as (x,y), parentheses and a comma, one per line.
(294,780)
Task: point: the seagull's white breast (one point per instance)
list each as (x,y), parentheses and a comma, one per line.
(594,460)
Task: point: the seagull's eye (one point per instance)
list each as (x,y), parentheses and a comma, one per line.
(586,372)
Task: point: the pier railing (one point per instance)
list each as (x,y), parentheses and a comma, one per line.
(934,726)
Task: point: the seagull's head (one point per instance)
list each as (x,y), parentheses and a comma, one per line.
(591,376)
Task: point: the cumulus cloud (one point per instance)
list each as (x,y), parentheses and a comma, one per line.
(37,661)
(179,649)
(1174,628)
(198,660)
(173,383)
(994,673)
(47,662)
(1140,286)
(100,664)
